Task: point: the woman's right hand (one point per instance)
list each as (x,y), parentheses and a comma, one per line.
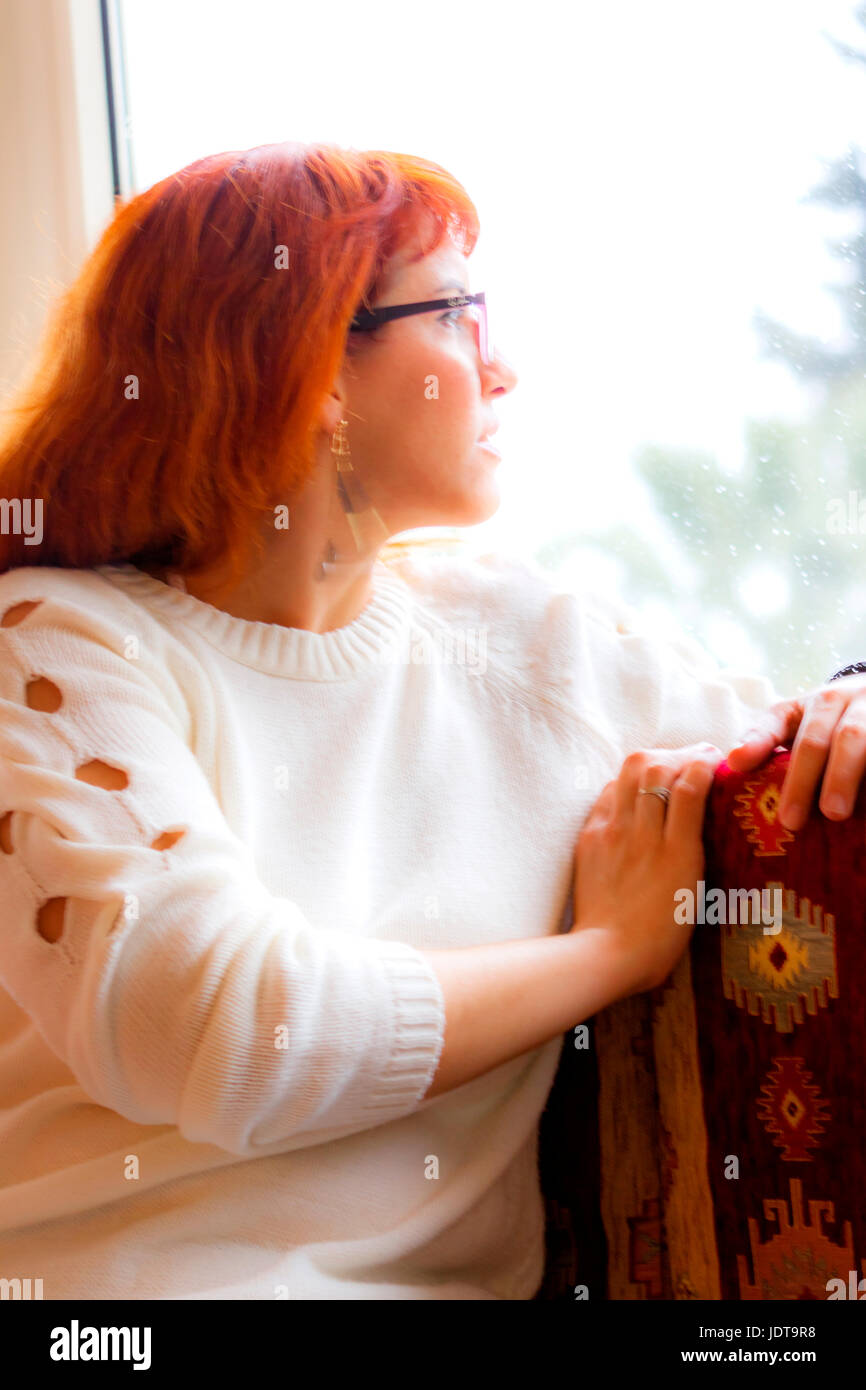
(634,853)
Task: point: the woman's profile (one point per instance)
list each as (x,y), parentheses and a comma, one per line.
(315,841)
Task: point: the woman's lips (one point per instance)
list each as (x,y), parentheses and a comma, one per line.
(491,448)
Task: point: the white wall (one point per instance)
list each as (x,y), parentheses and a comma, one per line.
(55,162)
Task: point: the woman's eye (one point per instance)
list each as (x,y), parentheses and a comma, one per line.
(453,313)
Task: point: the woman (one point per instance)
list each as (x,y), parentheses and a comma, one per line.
(288,939)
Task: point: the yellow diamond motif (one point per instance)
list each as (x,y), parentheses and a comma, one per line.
(793,1109)
(768,802)
(782,977)
(780,959)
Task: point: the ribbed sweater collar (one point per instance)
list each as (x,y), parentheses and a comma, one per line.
(369,640)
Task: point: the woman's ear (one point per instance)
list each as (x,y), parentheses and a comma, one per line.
(331,411)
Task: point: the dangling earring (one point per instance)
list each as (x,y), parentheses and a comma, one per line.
(366,524)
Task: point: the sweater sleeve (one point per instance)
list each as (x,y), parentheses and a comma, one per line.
(687,697)
(134,929)
(636,689)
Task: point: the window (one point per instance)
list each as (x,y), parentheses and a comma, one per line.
(673,245)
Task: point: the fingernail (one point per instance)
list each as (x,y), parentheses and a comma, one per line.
(793,816)
(835,806)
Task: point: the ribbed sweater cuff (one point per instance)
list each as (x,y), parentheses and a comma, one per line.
(418,1036)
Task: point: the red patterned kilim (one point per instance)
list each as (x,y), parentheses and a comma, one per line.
(722,1118)
(782,1044)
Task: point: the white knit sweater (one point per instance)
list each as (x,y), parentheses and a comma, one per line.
(211,1081)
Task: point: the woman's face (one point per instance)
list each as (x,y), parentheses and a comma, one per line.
(419,398)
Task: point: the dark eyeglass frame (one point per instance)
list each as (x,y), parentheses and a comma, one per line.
(367,319)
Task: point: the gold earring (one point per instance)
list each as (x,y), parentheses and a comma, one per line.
(340,447)
(364,521)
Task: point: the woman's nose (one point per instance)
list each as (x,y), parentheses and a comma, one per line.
(501,371)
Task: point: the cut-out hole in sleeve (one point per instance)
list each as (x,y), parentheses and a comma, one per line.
(99,774)
(6,833)
(18,612)
(43,694)
(167,839)
(49,919)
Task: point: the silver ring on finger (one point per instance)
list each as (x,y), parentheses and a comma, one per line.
(662,792)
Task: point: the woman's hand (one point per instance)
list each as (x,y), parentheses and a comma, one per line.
(830,723)
(634,853)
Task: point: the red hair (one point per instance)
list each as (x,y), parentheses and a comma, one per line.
(174,397)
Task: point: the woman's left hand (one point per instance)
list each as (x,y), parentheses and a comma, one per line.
(827,728)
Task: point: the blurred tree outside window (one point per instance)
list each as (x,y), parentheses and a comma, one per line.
(777,548)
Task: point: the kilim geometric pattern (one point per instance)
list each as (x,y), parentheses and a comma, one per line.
(786,974)
(791,1109)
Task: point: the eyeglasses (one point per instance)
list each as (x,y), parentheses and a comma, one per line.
(367,319)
